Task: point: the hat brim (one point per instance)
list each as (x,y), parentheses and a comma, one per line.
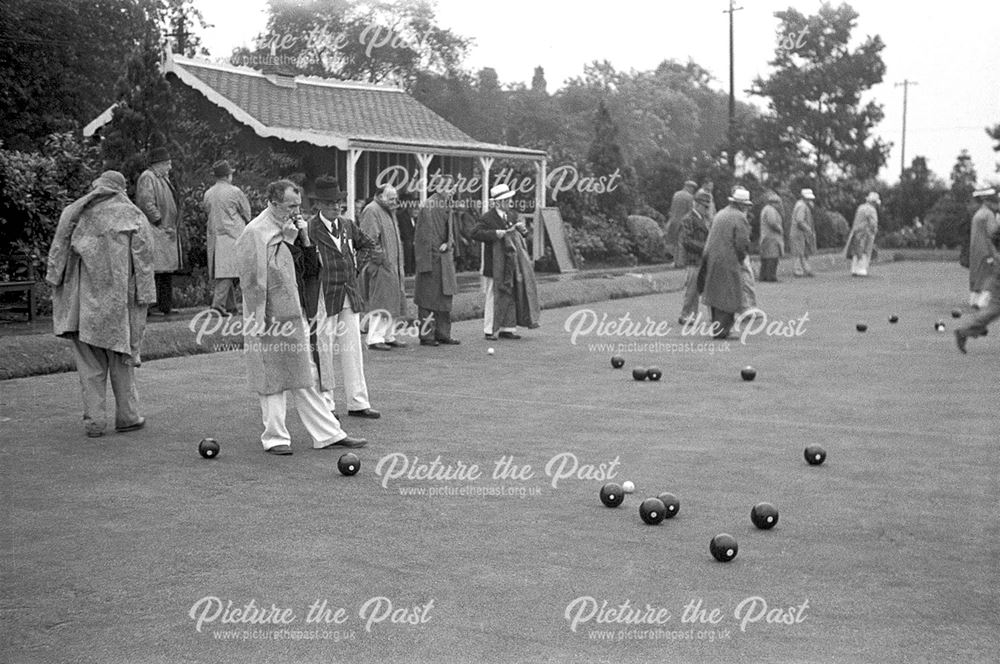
(329,199)
(504,196)
(739,201)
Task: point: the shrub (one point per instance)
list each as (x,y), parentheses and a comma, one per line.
(909,237)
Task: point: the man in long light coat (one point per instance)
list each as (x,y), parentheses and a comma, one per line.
(692,237)
(228,213)
(772,237)
(155,196)
(977,327)
(275,336)
(982,253)
(383,273)
(680,205)
(802,237)
(434,255)
(727,246)
(101,269)
(861,240)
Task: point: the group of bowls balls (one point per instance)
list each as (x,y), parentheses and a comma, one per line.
(723,546)
(938,326)
(655,373)
(347,464)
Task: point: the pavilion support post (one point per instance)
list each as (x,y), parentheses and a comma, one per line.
(353,155)
(424,160)
(538,245)
(486,163)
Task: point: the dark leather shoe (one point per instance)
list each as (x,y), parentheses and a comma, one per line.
(132,427)
(509,335)
(370,413)
(449,342)
(430,342)
(379,346)
(396,344)
(490,337)
(279,450)
(346,442)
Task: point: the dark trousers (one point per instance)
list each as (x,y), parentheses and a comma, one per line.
(434,324)
(722,322)
(164,291)
(768,269)
(977,327)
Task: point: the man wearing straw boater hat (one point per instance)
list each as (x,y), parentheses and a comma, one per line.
(228,213)
(508,274)
(334,301)
(982,253)
(727,246)
(802,236)
(988,258)
(157,198)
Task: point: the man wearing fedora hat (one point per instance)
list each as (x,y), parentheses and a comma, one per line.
(156,197)
(982,253)
(727,247)
(861,240)
(988,261)
(802,236)
(228,213)
(511,295)
(333,299)
(692,236)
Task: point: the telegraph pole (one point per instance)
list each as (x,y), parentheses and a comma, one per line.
(732,92)
(902,159)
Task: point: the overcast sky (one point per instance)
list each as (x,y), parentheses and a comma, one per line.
(951,49)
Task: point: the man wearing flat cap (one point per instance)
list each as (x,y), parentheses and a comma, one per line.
(333,299)
(772,237)
(100,267)
(157,198)
(692,237)
(228,213)
(802,236)
(987,262)
(727,246)
(861,240)
(680,205)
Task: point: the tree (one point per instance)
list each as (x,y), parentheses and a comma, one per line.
(370,40)
(539,85)
(60,61)
(912,198)
(951,215)
(816,123)
(994,133)
(606,160)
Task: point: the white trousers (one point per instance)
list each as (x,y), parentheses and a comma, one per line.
(343,336)
(380,329)
(979,300)
(488,308)
(319,422)
(859,265)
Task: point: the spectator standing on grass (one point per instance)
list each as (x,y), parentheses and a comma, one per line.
(692,237)
(100,267)
(680,205)
(982,253)
(861,240)
(802,237)
(977,327)
(157,198)
(772,237)
(727,246)
(383,271)
(436,283)
(228,212)
(511,295)
(333,299)
(275,337)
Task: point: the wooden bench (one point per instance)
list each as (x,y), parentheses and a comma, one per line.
(15,267)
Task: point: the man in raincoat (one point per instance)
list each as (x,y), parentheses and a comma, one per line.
(802,236)
(382,277)
(861,240)
(228,213)
(436,283)
(100,267)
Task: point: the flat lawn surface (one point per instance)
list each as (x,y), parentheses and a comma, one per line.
(887,552)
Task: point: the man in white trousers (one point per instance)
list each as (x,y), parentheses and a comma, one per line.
(275,337)
(492,228)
